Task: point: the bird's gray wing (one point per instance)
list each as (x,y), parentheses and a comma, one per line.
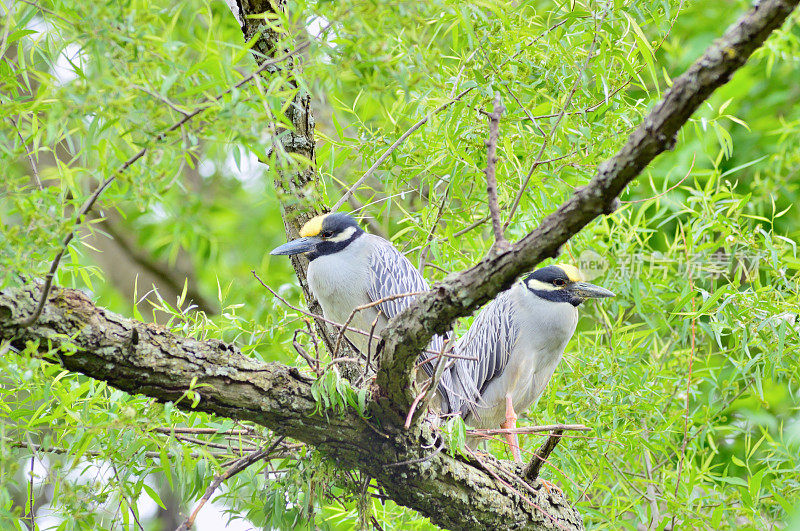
(489,341)
(391,273)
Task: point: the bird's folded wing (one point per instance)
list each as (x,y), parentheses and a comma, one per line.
(393,274)
(489,342)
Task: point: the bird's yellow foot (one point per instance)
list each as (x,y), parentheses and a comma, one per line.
(550,486)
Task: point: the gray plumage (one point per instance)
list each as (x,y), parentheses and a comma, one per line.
(515,344)
(518,340)
(350,268)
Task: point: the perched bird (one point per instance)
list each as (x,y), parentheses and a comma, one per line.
(351,268)
(516,342)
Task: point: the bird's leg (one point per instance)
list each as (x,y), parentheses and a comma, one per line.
(510,424)
(549,486)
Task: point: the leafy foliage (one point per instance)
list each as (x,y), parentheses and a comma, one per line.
(689,378)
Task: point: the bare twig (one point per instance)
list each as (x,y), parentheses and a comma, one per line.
(627,82)
(441,365)
(500,242)
(671,188)
(423,255)
(655,513)
(48,11)
(397,143)
(364,307)
(28,153)
(420,459)
(688,378)
(161,98)
(530,429)
(471,226)
(339,326)
(200,431)
(31,499)
(429,389)
(449,355)
(369,341)
(416,401)
(125,497)
(313,363)
(531,471)
(150,454)
(305,312)
(535,40)
(210,444)
(237,467)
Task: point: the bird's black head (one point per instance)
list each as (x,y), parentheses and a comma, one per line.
(323,234)
(563,283)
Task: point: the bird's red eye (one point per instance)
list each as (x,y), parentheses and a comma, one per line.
(559,282)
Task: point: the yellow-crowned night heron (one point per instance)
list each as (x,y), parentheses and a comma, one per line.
(351,268)
(517,341)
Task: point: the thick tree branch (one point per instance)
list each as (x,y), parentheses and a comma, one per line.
(462,293)
(143,358)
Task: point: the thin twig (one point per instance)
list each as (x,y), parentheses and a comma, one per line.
(304,312)
(397,143)
(124,495)
(671,188)
(446,355)
(655,514)
(364,307)
(369,341)
(420,459)
(423,256)
(28,153)
(627,82)
(530,429)
(500,242)
(535,40)
(237,467)
(339,326)
(200,431)
(416,401)
(161,98)
(209,444)
(531,471)
(375,524)
(32,500)
(312,362)
(472,226)
(688,378)
(48,11)
(441,366)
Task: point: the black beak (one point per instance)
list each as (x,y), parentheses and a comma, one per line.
(584,290)
(300,245)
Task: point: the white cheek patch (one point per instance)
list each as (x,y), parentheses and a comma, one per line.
(345,235)
(540,286)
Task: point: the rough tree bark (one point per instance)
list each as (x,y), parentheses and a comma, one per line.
(144,358)
(454,492)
